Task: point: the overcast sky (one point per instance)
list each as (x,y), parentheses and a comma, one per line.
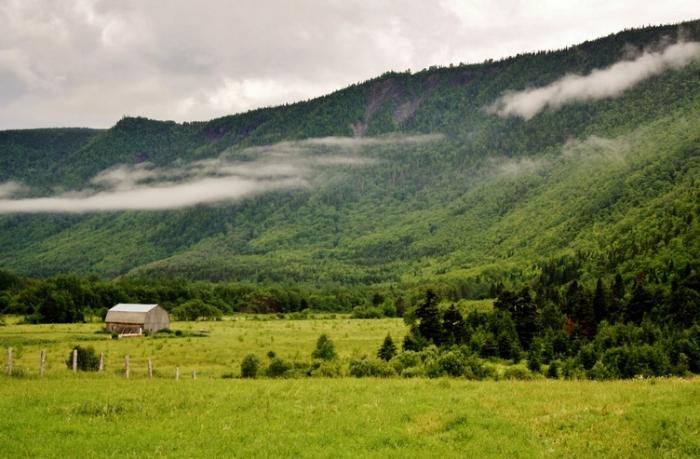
(89,62)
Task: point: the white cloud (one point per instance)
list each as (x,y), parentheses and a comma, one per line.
(88,62)
(281,166)
(599,84)
(11,188)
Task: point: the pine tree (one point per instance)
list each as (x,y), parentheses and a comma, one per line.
(325,349)
(617,298)
(640,303)
(430,326)
(453,326)
(600,301)
(388,349)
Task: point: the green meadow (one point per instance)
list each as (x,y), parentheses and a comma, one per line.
(106,415)
(213,349)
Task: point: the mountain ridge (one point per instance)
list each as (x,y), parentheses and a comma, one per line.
(458,207)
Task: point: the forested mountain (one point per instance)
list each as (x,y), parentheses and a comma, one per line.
(406,179)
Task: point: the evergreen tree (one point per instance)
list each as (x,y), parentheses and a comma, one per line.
(600,302)
(388,349)
(553,370)
(617,298)
(534,359)
(325,349)
(523,310)
(453,326)
(430,325)
(641,302)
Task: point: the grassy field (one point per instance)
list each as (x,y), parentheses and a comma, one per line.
(210,348)
(105,415)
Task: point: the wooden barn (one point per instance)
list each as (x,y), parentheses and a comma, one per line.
(136,318)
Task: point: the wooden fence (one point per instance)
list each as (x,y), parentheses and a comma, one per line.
(11,370)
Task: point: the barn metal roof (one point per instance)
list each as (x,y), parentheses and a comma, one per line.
(129,313)
(126,307)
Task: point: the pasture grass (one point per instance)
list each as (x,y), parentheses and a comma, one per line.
(105,415)
(114,417)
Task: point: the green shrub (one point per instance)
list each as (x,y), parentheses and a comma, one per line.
(325,349)
(599,371)
(405,360)
(277,368)
(572,369)
(452,363)
(364,367)
(413,372)
(249,366)
(475,369)
(518,373)
(197,310)
(534,361)
(88,360)
(553,370)
(325,369)
(367,312)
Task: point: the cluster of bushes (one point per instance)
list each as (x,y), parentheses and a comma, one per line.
(324,363)
(431,362)
(197,310)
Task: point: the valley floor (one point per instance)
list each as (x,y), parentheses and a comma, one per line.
(106,415)
(91,416)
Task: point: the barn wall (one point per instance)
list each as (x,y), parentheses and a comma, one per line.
(156,319)
(122,327)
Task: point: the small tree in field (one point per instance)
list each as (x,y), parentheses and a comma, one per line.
(388,349)
(88,360)
(249,366)
(325,349)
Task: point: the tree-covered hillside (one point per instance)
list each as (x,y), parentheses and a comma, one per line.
(589,190)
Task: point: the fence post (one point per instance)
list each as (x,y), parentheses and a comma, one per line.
(150,369)
(126,366)
(42,363)
(177,373)
(102,362)
(9,361)
(194,374)
(75,360)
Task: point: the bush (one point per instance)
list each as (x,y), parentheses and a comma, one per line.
(475,369)
(518,373)
(405,360)
(88,360)
(325,349)
(249,366)
(534,361)
(413,372)
(196,310)
(414,342)
(325,369)
(367,312)
(451,363)
(599,371)
(553,370)
(364,367)
(277,368)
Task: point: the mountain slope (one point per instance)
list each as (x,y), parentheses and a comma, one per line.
(604,186)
